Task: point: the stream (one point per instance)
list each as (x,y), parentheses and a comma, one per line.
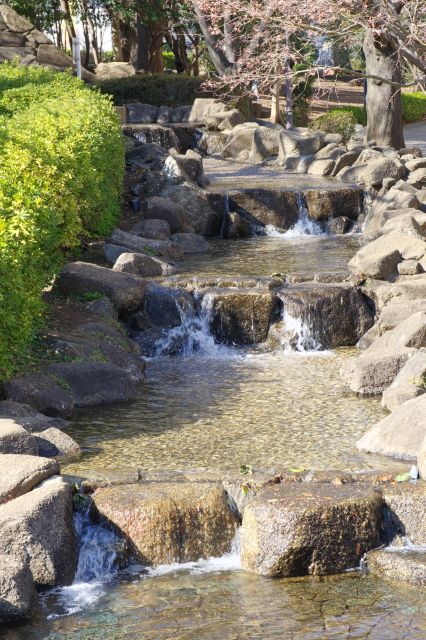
(274,405)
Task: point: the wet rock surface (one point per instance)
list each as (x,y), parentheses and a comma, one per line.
(18,596)
(404,565)
(169,522)
(295,530)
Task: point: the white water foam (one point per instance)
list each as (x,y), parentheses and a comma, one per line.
(96,567)
(296,337)
(304,227)
(228,562)
(193,336)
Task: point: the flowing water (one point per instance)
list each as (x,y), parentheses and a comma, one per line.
(281,404)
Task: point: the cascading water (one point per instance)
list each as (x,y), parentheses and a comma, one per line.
(295,336)
(193,336)
(97,565)
(304,226)
(196,139)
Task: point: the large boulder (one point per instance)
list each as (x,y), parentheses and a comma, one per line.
(141,265)
(138,113)
(41,393)
(125,290)
(379,259)
(21,473)
(406,289)
(184,168)
(15,439)
(265,144)
(299,142)
(114,70)
(167,522)
(266,207)
(190,242)
(235,227)
(240,316)
(18,596)
(53,443)
(154,228)
(133,243)
(240,141)
(39,525)
(380,168)
(374,370)
(164,306)
(385,220)
(204,210)
(396,312)
(408,384)
(323,204)
(411,332)
(205,107)
(294,530)
(171,212)
(337,314)
(28,417)
(399,435)
(94,383)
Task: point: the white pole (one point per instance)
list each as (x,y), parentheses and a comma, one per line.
(76,55)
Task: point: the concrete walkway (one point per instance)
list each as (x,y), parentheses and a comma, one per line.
(415,135)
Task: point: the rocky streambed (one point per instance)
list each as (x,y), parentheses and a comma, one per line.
(202,380)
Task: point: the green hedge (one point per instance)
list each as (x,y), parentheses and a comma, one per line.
(61,171)
(340,120)
(171,90)
(413,106)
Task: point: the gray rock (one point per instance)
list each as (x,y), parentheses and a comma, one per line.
(411,332)
(409,268)
(337,315)
(141,265)
(53,443)
(408,384)
(379,259)
(14,21)
(102,307)
(94,383)
(240,141)
(402,566)
(417,178)
(205,107)
(138,113)
(417,163)
(374,371)
(18,596)
(29,418)
(164,115)
(294,530)
(235,226)
(322,167)
(204,210)
(396,312)
(125,290)
(190,242)
(163,306)
(174,214)
(411,225)
(299,141)
(339,225)
(265,144)
(240,316)
(39,525)
(114,70)
(184,168)
(21,473)
(153,228)
(231,120)
(324,204)
(399,435)
(11,39)
(48,54)
(41,393)
(113,251)
(345,160)
(406,506)
(376,221)
(379,169)
(266,207)
(404,289)
(16,439)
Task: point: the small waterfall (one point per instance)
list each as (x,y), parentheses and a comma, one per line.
(193,336)
(196,139)
(304,226)
(226,212)
(139,135)
(296,336)
(97,550)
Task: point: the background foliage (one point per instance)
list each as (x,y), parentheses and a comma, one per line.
(61,171)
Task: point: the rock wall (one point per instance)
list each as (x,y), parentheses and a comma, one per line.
(19,39)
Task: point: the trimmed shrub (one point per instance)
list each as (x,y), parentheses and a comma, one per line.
(172,90)
(340,120)
(61,171)
(413,106)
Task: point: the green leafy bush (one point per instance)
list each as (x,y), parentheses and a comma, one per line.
(170,90)
(413,106)
(61,170)
(340,120)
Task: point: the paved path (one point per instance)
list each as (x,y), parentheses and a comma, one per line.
(415,135)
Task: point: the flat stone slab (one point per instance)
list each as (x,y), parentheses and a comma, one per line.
(402,564)
(20,473)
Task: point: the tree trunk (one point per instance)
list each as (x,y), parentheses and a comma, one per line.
(384,106)
(275,108)
(64,6)
(140,54)
(156,34)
